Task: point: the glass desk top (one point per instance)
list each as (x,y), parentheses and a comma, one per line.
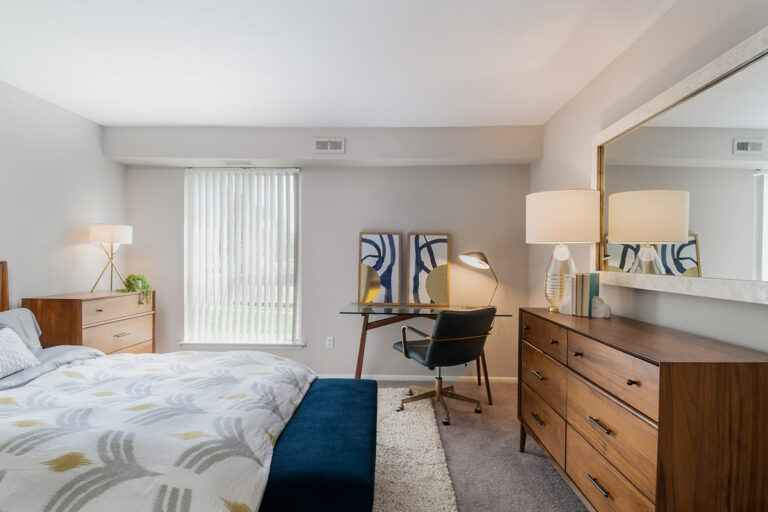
(353,308)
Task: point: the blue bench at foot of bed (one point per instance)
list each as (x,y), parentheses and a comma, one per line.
(325,457)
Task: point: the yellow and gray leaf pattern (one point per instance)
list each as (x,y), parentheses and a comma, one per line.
(179,432)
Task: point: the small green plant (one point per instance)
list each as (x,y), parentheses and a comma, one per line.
(138,283)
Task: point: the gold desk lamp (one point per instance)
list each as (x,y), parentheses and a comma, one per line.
(479,260)
(560,217)
(648,217)
(110,237)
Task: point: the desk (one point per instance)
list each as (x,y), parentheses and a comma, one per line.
(401,313)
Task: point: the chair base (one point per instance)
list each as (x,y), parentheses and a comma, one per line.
(439,394)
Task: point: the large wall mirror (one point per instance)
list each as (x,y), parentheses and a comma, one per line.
(707,136)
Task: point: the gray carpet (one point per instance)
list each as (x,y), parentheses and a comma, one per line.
(488,472)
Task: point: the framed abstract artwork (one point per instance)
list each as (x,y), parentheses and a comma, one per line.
(428,276)
(620,257)
(681,259)
(378,279)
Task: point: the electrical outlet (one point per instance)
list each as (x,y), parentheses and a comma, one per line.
(329,342)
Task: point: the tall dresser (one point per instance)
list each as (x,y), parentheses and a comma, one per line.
(113,322)
(638,417)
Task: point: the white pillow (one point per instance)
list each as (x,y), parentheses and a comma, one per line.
(14,354)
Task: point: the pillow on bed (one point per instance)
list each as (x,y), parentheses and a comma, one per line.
(23,321)
(14,354)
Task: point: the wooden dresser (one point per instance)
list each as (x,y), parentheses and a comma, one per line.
(113,322)
(638,417)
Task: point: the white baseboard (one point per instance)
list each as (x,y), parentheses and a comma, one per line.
(415,378)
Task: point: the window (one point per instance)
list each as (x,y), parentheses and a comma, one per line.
(240,255)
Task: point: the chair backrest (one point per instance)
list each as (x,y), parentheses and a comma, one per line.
(459,336)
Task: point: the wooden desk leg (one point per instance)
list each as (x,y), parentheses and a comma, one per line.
(523,435)
(487,382)
(361,349)
(478,371)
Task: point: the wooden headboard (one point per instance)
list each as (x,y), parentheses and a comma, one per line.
(4,305)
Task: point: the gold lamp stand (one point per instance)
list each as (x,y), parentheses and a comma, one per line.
(110,237)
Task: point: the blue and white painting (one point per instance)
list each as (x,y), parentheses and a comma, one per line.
(379,270)
(428,279)
(681,259)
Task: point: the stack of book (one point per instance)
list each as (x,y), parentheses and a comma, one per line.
(583,288)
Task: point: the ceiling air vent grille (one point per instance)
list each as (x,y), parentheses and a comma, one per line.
(336,145)
(748,146)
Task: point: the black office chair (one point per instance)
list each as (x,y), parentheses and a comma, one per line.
(457,338)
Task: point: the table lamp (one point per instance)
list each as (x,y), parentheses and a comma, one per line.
(560,217)
(646,217)
(479,260)
(110,237)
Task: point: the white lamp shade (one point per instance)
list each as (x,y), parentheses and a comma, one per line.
(111,233)
(639,216)
(562,216)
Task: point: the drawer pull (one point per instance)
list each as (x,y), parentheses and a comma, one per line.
(538,375)
(599,425)
(553,342)
(99,310)
(631,382)
(578,354)
(121,334)
(599,487)
(538,420)
(526,327)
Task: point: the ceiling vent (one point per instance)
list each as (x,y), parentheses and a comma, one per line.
(748,146)
(336,145)
(237,163)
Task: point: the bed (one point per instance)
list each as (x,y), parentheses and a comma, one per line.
(233,431)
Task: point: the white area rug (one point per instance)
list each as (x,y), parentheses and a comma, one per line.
(411,472)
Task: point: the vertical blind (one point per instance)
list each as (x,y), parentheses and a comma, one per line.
(240,256)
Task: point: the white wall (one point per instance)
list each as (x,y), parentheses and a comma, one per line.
(481,207)
(688,36)
(54,181)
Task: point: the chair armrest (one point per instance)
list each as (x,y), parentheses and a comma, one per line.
(405,341)
(420,333)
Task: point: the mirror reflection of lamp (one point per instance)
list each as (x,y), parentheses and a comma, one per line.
(648,217)
(561,217)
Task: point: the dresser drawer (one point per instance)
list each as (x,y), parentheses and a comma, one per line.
(605,488)
(141,348)
(548,337)
(111,308)
(545,376)
(545,423)
(628,441)
(114,336)
(631,379)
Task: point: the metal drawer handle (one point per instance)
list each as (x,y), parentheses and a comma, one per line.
(121,334)
(526,327)
(599,487)
(553,342)
(538,420)
(599,425)
(631,382)
(99,310)
(538,375)
(578,354)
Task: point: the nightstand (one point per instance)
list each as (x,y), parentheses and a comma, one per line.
(113,322)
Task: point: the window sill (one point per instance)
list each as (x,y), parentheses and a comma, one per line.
(241,346)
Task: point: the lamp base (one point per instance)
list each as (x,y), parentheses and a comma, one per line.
(553,309)
(560,265)
(647,261)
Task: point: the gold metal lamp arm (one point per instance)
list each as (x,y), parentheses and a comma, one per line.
(495,287)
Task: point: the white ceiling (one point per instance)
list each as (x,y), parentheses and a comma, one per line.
(314,62)
(739,101)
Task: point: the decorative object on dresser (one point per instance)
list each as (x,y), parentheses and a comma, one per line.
(648,217)
(378,278)
(113,322)
(479,260)
(560,217)
(110,237)
(638,417)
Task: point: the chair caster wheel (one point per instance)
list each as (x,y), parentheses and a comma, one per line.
(446,421)
(478,410)
(410,392)
(400,408)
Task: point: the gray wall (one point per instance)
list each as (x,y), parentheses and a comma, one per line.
(482,207)
(54,181)
(691,34)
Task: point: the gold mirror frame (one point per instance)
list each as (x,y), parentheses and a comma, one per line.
(740,56)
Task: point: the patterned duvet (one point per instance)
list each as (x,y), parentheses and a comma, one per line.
(186,431)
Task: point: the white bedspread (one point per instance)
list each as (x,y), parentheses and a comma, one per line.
(186,431)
